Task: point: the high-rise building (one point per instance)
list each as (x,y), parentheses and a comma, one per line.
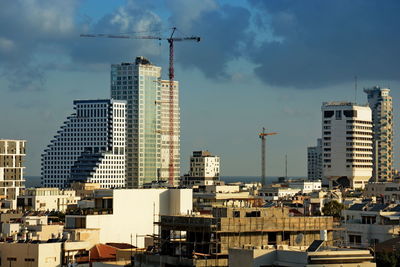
(89,147)
(314,161)
(148,134)
(12,153)
(381,105)
(346,144)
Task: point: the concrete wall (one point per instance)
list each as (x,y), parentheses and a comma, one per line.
(40,255)
(136,210)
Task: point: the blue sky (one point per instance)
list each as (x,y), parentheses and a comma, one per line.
(261,63)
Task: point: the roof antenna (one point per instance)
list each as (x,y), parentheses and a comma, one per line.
(355,89)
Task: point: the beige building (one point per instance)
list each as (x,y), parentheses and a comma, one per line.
(381,105)
(12,180)
(31,254)
(298,256)
(47,199)
(191,238)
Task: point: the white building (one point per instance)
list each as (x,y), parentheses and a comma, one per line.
(204,169)
(47,199)
(278,193)
(148,121)
(306,186)
(122,213)
(12,153)
(314,161)
(89,147)
(381,105)
(347,144)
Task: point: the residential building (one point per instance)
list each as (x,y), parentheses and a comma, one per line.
(278,193)
(89,147)
(381,105)
(204,169)
(12,153)
(305,186)
(388,192)
(148,120)
(367,224)
(122,213)
(47,199)
(346,144)
(300,256)
(314,161)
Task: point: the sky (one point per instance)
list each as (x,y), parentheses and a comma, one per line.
(260,63)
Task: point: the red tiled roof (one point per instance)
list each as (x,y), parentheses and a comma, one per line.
(102,252)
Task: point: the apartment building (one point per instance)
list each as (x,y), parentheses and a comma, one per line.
(381,105)
(89,147)
(12,153)
(347,144)
(314,161)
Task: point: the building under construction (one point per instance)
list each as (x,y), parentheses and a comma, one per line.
(205,240)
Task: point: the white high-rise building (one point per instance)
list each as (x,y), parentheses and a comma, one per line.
(381,105)
(89,147)
(347,144)
(12,153)
(148,139)
(314,161)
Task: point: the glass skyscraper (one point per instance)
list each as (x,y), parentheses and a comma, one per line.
(140,84)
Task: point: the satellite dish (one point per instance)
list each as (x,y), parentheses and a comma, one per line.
(299,239)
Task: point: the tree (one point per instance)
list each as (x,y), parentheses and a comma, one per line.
(333,208)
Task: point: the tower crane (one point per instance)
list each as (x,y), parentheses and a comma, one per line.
(263,138)
(171,40)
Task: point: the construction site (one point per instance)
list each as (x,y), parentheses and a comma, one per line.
(206,240)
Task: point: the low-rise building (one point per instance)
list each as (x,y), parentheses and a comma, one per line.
(47,199)
(389,192)
(298,256)
(275,193)
(367,224)
(122,214)
(306,186)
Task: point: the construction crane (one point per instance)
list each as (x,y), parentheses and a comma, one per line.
(171,40)
(263,138)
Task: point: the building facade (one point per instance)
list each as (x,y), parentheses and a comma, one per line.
(381,105)
(148,109)
(314,161)
(89,147)
(12,153)
(347,144)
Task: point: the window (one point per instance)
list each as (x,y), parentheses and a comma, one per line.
(338,114)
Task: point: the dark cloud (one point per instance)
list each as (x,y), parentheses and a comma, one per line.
(328,42)
(223,30)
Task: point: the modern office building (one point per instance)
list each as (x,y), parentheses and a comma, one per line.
(89,147)
(12,153)
(148,109)
(314,161)
(381,105)
(347,144)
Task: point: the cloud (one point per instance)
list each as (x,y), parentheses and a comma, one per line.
(26,26)
(328,42)
(222,30)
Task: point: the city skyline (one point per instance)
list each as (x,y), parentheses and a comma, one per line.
(222,85)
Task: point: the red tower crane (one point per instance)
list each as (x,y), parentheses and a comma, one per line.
(171,39)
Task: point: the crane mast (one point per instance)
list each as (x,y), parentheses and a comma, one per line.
(171,74)
(263,138)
